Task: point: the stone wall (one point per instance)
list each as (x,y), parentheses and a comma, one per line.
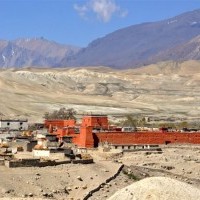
(82,161)
(91,193)
(22,163)
(38,163)
(2,162)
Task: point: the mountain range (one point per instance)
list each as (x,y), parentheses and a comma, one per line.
(36,52)
(176,39)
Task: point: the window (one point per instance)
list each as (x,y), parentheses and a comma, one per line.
(8,123)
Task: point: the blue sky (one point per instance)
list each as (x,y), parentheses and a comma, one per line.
(78,22)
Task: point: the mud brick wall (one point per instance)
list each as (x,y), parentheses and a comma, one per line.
(147,137)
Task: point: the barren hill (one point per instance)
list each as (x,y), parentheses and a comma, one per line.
(163,89)
(142,44)
(186,51)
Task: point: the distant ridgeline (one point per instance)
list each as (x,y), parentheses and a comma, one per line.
(175,39)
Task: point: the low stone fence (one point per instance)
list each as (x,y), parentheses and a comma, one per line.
(2,162)
(82,161)
(102,184)
(40,163)
(52,163)
(22,163)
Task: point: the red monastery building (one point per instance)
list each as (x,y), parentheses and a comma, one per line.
(95,129)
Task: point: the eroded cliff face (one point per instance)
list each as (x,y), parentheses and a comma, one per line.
(163,89)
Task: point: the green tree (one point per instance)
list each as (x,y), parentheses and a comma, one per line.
(183,124)
(62,113)
(130,121)
(141,122)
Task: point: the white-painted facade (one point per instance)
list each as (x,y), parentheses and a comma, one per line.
(14,124)
(41,153)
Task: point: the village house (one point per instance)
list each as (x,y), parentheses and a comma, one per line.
(13,124)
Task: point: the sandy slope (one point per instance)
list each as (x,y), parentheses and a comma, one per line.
(157,188)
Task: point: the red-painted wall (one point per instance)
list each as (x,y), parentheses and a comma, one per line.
(59,123)
(95,121)
(147,137)
(85,138)
(88,139)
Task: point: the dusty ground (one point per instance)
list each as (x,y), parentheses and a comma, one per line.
(182,160)
(177,162)
(59,182)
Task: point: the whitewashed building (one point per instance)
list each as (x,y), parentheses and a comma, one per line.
(9,124)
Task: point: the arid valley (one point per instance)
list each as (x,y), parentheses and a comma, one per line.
(166,89)
(100,100)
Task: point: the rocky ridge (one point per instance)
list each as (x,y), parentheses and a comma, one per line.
(36,52)
(143,44)
(176,39)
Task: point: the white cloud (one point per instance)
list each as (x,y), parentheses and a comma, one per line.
(123,13)
(81,9)
(103,9)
